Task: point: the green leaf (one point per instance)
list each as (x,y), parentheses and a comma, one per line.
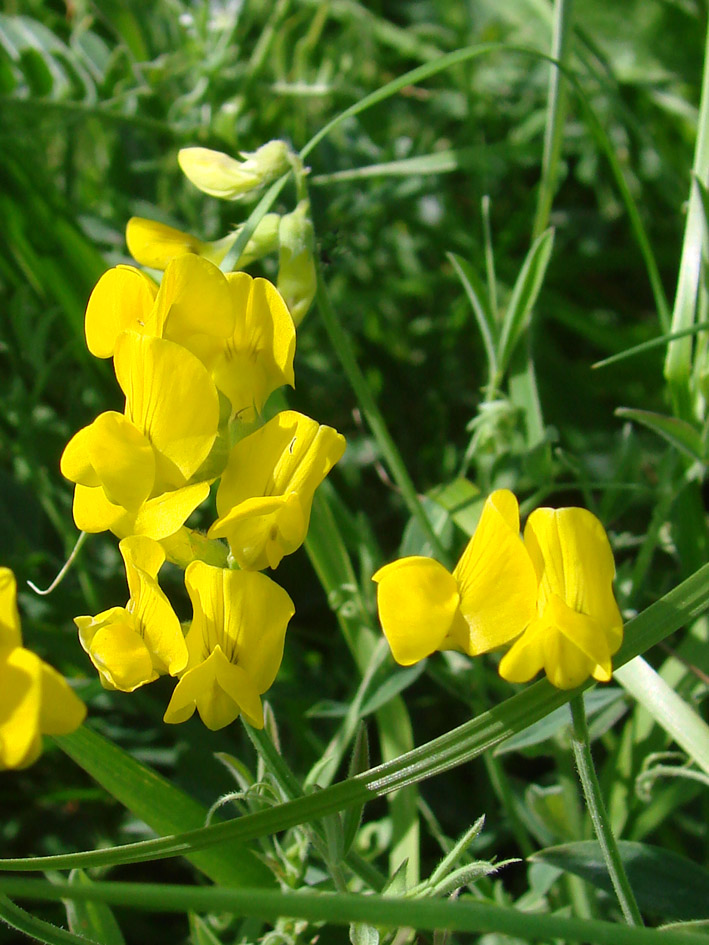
(93,920)
(200,932)
(486,319)
(669,709)
(665,883)
(160,805)
(524,296)
(680,434)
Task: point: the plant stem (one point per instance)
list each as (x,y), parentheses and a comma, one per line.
(599,817)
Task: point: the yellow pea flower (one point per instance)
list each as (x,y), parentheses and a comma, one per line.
(133,470)
(235,645)
(35,699)
(220,175)
(258,357)
(577,626)
(193,299)
(154,244)
(266,492)
(133,645)
(483,604)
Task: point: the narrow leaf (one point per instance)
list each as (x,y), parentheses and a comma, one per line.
(524,296)
(93,920)
(680,434)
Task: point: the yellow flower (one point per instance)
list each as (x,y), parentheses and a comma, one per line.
(297,278)
(193,299)
(133,471)
(35,699)
(219,175)
(133,645)
(266,493)
(483,604)
(154,244)
(258,357)
(577,626)
(239,327)
(235,645)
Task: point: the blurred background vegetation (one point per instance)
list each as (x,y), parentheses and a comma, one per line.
(96,99)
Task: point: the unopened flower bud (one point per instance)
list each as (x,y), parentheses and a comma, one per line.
(220,175)
(297,278)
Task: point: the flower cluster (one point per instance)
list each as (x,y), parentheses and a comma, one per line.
(196,358)
(154,244)
(549,595)
(35,699)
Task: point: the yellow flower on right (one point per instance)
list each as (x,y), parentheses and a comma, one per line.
(549,598)
(578,626)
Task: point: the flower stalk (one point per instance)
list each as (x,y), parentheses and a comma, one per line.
(599,816)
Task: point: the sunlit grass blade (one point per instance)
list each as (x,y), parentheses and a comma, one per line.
(659,620)
(341,909)
(658,342)
(487,321)
(440,162)
(678,433)
(524,296)
(678,362)
(669,710)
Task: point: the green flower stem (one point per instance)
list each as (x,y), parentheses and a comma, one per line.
(341,909)
(343,348)
(599,816)
(291,788)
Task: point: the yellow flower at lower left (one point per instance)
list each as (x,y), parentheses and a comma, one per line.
(133,645)
(35,699)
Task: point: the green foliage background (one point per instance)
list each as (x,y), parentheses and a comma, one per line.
(97,98)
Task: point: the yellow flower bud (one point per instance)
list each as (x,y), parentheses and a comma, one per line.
(220,175)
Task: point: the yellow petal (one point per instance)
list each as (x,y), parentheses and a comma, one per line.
(244,613)
(94,513)
(163,515)
(418,602)
(62,711)
(525,657)
(123,460)
(171,399)
(496,578)
(122,299)
(261,531)
(274,472)
(120,655)
(75,464)
(20,706)
(156,620)
(219,691)
(259,356)
(573,558)
(194,298)
(10,632)
(154,244)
